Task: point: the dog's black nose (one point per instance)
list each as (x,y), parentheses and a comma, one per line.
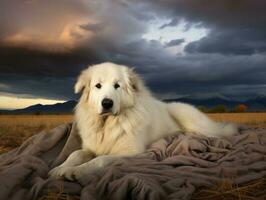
(107,103)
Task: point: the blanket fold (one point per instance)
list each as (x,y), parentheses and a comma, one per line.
(171,168)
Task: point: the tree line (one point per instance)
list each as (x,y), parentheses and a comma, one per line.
(223,109)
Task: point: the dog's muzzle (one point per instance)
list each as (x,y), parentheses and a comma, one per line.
(107,104)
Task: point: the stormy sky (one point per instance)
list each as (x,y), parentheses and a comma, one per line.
(180,47)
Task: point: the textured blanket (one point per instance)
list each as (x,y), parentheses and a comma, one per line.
(171,168)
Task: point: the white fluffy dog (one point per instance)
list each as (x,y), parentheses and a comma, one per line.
(117,116)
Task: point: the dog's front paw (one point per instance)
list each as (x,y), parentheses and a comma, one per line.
(61,172)
(81,174)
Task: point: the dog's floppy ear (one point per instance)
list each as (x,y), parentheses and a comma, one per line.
(83,81)
(135,81)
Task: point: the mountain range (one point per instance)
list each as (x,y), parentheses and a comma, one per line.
(60,108)
(255,104)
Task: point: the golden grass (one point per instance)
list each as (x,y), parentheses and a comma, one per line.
(14,129)
(250,119)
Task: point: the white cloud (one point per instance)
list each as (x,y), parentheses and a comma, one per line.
(168,33)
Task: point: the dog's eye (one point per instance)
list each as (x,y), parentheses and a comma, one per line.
(98,85)
(116,86)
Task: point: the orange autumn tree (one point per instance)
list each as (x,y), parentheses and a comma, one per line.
(241,108)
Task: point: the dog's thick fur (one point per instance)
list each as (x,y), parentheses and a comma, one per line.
(135,120)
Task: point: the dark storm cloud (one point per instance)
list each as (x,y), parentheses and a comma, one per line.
(216,13)
(26,61)
(208,74)
(175,42)
(245,42)
(237,27)
(114,34)
(92,27)
(38,86)
(173,22)
(108,39)
(228,59)
(193,69)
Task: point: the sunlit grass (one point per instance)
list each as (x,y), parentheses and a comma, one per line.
(250,119)
(14,129)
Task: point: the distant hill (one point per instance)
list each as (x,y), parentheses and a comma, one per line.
(66,107)
(255,104)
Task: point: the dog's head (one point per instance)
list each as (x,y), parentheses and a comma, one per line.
(109,88)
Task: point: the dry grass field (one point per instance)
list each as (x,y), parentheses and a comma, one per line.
(250,119)
(14,129)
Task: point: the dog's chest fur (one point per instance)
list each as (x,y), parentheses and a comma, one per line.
(110,135)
